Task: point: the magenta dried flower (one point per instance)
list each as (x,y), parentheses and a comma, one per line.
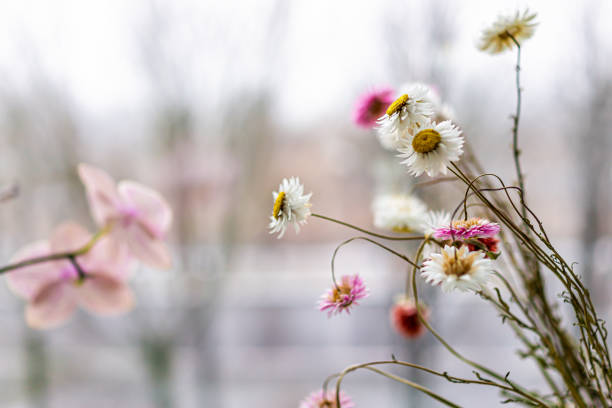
(465,229)
(322,399)
(344,295)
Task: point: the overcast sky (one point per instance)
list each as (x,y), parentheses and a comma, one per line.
(318,55)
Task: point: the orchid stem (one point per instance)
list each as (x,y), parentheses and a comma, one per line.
(71,255)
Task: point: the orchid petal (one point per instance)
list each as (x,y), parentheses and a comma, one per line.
(102,193)
(69,236)
(108,257)
(29,280)
(52,306)
(152,252)
(105,296)
(152,209)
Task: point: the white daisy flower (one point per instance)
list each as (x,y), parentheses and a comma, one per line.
(496,39)
(291,206)
(399,212)
(412,108)
(434,220)
(458,269)
(432,148)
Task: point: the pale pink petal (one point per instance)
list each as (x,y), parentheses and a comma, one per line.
(69,236)
(28,281)
(105,296)
(52,306)
(151,252)
(102,193)
(108,257)
(149,207)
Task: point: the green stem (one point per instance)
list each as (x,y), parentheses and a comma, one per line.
(393,377)
(348,241)
(517,389)
(346,224)
(516,118)
(71,255)
(414,385)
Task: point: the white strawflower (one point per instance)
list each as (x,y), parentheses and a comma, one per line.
(399,212)
(497,38)
(434,220)
(291,206)
(412,108)
(432,148)
(458,269)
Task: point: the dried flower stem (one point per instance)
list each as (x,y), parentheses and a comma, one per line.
(450,378)
(560,345)
(516,118)
(333,260)
(387,237)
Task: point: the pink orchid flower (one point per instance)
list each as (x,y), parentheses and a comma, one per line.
(137,216)
(54,289)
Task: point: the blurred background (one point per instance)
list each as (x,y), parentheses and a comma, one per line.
(213,103)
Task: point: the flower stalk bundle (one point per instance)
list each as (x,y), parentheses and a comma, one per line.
(492,244)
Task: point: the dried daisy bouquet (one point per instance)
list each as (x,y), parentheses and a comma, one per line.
(490,244)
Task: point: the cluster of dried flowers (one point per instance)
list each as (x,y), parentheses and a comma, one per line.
(75,268)
(460,252)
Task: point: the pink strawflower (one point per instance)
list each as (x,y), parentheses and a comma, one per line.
(137,216)
(372,105)
(405,318)
(322,399)
(54,289)
(344,295)
(464,229)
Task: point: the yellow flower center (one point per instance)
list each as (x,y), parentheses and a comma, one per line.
(327,404)
(426,141)
(472,222)
(339,291)
(278,204)
(397,105)
(512,30)
(459,264)
(401,228)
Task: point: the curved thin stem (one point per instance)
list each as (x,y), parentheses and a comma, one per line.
(387,237)
(77,266)
(393,377)
(515,388)
(452,379)
(348,241)
(414,385)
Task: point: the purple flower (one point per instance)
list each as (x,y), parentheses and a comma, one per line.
(372,105)
(464,229)
(344,295)
(321,399)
